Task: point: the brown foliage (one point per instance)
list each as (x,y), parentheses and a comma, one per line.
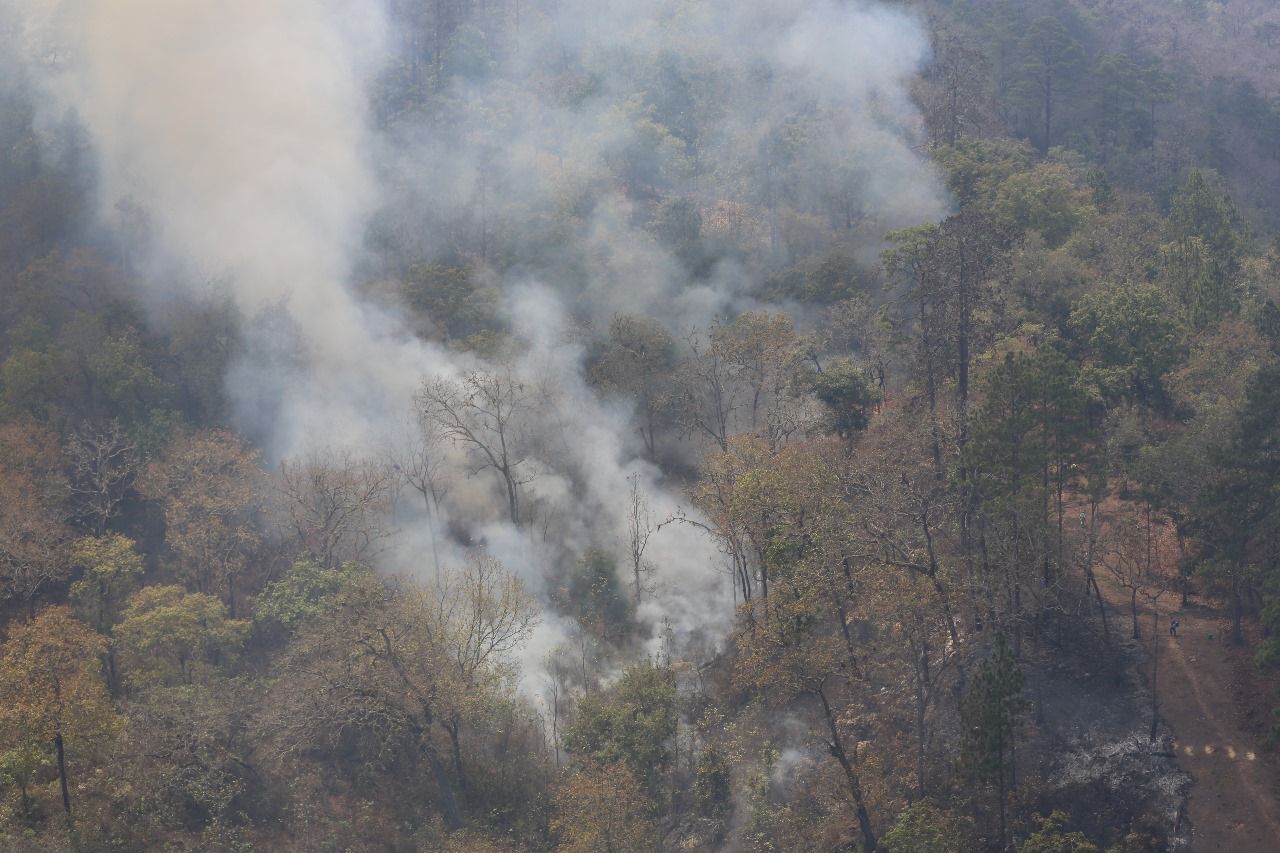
(211,490)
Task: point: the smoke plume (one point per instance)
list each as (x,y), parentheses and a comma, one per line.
(273,146)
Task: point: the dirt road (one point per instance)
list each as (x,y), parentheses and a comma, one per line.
(1235,795)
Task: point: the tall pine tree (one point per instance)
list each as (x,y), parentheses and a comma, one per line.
(990,715)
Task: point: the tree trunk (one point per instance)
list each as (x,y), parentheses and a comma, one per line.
(1090,579)
(448,802)
(1048,113)
(1017,618)
(1061,516)
(921,702)
(431,528)
(930,383)
(1155,660)
(1046,571)
(1133,610)
(62,773)
(962,380)
(850,774)
(113,672)
(1001,791)
(456,743)
(1013,763)
(1182,561)
(25,799)
(650,437)
(943,598)
(1237,607)
(968,514)
(513,496)
(1102,608)
(953,126)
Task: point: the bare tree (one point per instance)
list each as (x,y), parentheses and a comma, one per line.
(418,462)
(763,350)
(1139,559)
(739,379)
(33,542)
(104,464)
(1088,558)
(484,615)
(1152,594)
(1136,556)
(709,394)
(638,362)
(957,100)
(639,528)
(484,412)
(338,505)
(925,649)
(398,662)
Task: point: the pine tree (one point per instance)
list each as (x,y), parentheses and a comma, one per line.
(1207,239)
(1239,507)
(990,714)
(1052,60)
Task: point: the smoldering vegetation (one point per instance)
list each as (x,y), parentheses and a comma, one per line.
(418,195)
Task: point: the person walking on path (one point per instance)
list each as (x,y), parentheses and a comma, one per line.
(1173,627)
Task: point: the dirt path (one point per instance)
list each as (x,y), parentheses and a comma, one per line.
(1235,795)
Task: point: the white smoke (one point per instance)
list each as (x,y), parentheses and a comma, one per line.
(777,73)
(242,128)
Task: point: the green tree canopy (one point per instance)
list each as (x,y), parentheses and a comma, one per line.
(1134,337)
(168,636)
(633,722)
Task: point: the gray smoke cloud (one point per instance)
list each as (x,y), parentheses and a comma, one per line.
(246,131)
(814,90)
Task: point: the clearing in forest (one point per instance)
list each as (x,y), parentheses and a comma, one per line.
(1204,687)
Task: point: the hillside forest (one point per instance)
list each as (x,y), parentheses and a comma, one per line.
(667,425)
